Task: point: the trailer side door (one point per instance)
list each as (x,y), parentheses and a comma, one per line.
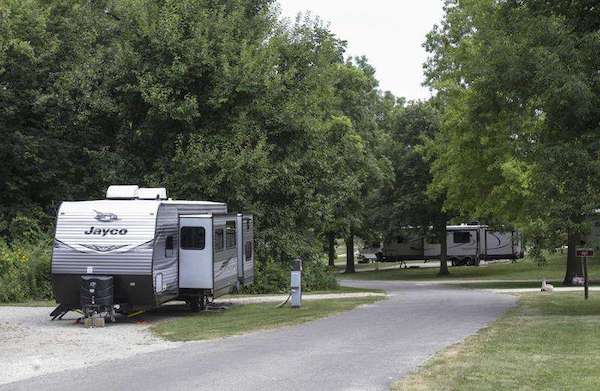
(240,246)
(248,249)
(462,243)
(195,252)
(226,257)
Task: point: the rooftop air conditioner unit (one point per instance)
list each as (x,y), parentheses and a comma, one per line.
(152,193)
(122,192)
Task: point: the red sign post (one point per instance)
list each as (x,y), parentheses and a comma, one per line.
(584,253)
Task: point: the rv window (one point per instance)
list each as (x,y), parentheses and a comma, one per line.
(230,234)
(219,239)
(248,251)
(192,238)
(169,246)
(462,237)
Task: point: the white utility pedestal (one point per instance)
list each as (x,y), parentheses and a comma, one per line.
(296,283)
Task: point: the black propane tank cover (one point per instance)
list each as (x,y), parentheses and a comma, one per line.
(297,265)
(98,287)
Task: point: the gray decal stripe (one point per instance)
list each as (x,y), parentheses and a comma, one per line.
(500,247)
(66,245)
(462,245)
(104,249)
(101,248)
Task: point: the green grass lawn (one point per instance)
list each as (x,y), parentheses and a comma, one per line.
(549,342)
(507,285)
(240,319)
(524,269)
(32,303)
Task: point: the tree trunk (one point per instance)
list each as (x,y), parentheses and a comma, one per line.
(331,249)
(443,239)
(350,254)
(573,263)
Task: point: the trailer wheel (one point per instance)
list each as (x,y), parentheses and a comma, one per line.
(197,303)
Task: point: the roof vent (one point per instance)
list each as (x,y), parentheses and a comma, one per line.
(122,192)
(152,193)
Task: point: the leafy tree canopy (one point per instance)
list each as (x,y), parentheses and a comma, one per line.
(518,82)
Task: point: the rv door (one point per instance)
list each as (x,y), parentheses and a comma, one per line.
(240,246)
(195,252)
(248,230)
(245,249)
(463,243)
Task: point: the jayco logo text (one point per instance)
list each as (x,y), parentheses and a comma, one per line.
(105,231)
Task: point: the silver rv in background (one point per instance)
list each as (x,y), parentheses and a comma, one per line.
(136,250)
(467,244)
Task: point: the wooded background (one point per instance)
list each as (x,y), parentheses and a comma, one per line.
(226,101)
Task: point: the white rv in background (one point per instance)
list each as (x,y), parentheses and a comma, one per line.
(467,244)
(136,250)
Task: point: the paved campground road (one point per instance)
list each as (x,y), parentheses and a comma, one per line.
(363,349)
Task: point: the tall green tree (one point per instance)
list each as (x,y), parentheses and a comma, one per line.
(407,200)
(519,140)
(57,139)
(215,100)
(366,165)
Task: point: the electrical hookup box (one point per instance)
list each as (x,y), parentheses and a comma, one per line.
(296,283)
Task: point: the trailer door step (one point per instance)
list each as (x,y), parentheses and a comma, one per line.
(60,311)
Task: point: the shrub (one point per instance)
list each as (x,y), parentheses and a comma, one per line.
(25,229)
(270,277)
(274,277)
(25,271)
(316,276)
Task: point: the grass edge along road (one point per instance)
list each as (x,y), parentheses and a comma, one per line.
(523,269)
(241,319)
(30,303)
(549,342)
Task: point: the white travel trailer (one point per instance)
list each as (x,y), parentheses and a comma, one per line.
(137,249)
(467,244)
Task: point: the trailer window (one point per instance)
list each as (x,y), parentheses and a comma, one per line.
(219,239)
(248,251)
(169,247)
(462,237)
(230,234)
(192,238)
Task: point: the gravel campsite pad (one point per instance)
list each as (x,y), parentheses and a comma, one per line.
(32,345)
